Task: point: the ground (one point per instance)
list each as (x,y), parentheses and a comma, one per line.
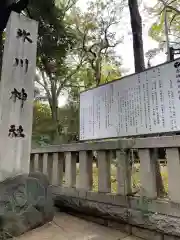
(66,227)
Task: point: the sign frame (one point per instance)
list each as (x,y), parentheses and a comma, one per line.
(168,133)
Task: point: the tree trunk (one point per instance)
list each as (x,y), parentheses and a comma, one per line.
(136,25)
(159,181)
(98,70)
(54,112)
(54,109)
(1,51)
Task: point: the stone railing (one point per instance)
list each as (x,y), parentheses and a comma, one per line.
(73,176)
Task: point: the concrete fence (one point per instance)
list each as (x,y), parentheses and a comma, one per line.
(146,208)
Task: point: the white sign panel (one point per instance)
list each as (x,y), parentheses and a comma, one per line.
(140,104)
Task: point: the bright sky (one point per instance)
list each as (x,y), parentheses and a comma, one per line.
(125,50)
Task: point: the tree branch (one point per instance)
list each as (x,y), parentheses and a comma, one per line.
(68,77)
(173,18)
(74,86)
(70,4)
(67,7)
(44,85)
(39,82)
(169,6)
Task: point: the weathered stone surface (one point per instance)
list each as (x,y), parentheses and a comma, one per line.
(146,234)
(166,237)
(151,221)
(120,226)
(91,208)
(157,222)
(97,220)
(25,203)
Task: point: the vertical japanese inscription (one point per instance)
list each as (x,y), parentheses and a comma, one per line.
(172,110)
(146,105)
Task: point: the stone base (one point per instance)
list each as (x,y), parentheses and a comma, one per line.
(131,230)
(148,226)
(166,237)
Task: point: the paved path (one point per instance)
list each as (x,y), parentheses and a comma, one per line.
(66,227)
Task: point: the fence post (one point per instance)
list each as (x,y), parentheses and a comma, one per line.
(85,170)
(173,163)
(70,169)
(36,162)
(148,158)
(104,181)
(123,173)
(57,172)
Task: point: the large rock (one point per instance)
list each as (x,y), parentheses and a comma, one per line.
(25,203)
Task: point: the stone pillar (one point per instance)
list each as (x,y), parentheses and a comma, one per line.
(104,172)
(36,162)
(173,163)
(123,173)
(57,170)
(45,163)
(18,70)
(85,170)
(70,169)
(148,158)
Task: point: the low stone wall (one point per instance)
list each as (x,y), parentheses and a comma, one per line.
(150,215)
(124,213)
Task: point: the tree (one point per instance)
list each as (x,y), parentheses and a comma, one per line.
(55,40)
(151,54)
(69,120)
(56,76)
(43,128)
(84,78)
(96,40)
(1,51)
(136,25)
(157,30)
(171,5)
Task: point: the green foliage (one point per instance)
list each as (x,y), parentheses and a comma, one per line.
(54,39)
(110,72)
(69,120)
(75,52)
(96,40)
(157,29)
(42,124)
(173,17)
